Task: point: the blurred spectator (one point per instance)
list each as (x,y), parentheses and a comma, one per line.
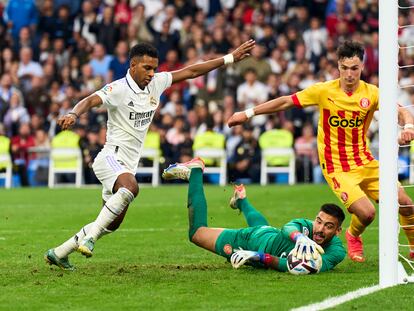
(107,31)
(251,93)
(19,14)
(7,89)
(164,40)
(16,115)
(244,164)
(20,144)
(258,62)
(315,38)
(38,167)
(47,20)
(172,63)
(38,99)
(307,156)
(138,23)
(174,105)
(63,24)
(83,22)
(28,68)
(100,61)
(7,60)
(119,65)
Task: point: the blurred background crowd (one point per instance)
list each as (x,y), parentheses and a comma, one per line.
(56,52)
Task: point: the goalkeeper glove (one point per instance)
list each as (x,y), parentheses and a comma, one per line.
(306,248)
(241,256)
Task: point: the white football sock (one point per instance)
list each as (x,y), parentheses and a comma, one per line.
(111,210)
(71,245)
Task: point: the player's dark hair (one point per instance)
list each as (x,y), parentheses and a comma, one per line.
(334,210)
(349,49)
(142,49)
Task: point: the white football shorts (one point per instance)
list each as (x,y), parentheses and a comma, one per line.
(108,165)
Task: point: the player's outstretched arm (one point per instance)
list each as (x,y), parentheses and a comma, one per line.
(271,106)
(69,119)
(193,71)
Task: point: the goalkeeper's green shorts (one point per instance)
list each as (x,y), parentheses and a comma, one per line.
(251,238)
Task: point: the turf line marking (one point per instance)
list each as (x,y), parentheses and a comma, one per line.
(335,301)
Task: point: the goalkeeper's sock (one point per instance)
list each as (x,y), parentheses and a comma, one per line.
(253,216)
(111,210)
(408,225)
(197,205)
(356,228)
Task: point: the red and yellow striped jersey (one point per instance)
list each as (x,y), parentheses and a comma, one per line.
(343,123)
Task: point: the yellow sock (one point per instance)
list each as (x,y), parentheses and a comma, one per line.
(356,227)
(409,231)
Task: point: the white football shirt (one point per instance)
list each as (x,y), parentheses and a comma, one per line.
(130,112)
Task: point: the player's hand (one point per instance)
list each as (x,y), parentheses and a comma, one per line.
(240,257)
(66,121)
(306,248)
(406,136)
(237,119)
(243,50)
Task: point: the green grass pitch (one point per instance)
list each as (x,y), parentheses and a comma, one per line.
(149,264)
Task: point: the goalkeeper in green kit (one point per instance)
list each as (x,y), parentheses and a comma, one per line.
(260,245)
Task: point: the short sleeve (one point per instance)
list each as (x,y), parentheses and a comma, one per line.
(308,96)
(162,81)
(111,94)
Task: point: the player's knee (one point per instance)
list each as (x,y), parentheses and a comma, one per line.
(193,236)
(132,187)
(368,217)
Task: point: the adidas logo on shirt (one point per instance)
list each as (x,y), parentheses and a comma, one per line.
(130,104)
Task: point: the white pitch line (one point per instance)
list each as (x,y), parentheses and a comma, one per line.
(335,301)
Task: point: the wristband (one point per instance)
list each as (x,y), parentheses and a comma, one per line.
(249,113)
(294,235)
(265,258)
(74,113)
(408,126)
(228,59)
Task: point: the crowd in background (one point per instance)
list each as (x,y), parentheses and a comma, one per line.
(56,52)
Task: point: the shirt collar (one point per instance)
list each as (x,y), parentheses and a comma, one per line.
(133,85)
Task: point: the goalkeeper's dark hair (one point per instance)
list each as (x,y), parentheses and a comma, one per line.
(335,211)
(142,49)
(349,49)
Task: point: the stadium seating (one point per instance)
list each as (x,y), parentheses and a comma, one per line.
(65,157)
(151,152)
(5,161)
(210,146)
(278,156)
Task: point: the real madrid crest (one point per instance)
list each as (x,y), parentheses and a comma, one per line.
(153,101)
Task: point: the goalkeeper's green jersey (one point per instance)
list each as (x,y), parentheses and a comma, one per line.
(277,242)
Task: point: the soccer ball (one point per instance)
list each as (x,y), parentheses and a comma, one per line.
(303,266)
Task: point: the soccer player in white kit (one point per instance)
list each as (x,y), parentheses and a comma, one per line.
(131,103)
